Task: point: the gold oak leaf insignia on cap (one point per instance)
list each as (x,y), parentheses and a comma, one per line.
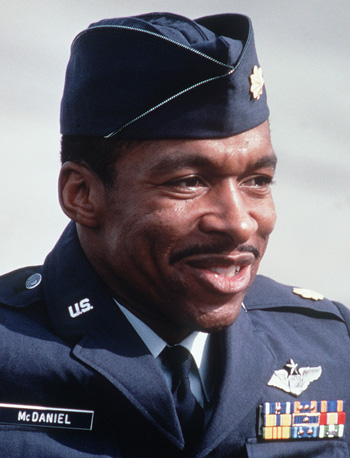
(308,294)
(256,82)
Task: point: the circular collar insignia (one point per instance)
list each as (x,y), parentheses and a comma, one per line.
(33,281)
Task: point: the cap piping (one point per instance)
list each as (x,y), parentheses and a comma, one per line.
(168,100)
(153,34)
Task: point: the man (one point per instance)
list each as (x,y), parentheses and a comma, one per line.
(146,332)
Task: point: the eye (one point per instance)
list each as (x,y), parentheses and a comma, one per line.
(259,182)
(186,183)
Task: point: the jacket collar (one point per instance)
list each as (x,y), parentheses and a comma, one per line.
(77,298)
(79,304)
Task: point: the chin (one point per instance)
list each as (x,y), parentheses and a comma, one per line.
(217,320)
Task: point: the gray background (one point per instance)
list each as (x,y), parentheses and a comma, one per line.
(303,48)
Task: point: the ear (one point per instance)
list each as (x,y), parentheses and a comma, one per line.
(81,194)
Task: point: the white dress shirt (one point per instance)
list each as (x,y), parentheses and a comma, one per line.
(197,343)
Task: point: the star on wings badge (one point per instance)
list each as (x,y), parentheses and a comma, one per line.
(293,380)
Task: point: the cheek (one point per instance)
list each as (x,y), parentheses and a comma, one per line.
(153,230)
(169,216)
(266,218)
(266,224)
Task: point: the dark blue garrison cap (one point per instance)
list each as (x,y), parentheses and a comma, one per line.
(163,76)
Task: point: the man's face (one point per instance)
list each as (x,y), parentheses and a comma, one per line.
(185,227)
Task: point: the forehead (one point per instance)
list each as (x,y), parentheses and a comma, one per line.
(248,149)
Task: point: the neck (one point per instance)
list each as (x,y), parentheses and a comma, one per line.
(170,332)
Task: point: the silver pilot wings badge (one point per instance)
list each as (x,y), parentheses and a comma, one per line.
(293,380)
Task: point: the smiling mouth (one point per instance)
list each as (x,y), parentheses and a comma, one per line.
(222,274)
(219,269)
(226,271)
(219,250)
(222,264)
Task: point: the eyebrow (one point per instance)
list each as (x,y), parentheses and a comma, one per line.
(179,161)
(266,161)
(182,160)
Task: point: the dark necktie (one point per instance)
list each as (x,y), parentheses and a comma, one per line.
(189,412)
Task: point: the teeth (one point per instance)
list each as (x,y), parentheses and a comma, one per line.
(226,271)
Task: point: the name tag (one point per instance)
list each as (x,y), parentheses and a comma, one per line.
(52,417)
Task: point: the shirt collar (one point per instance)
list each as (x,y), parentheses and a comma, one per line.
(153,342)
(197,343)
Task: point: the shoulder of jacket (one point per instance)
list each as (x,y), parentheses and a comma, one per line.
(21,287)
(266,293)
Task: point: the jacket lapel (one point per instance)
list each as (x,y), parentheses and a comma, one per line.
(247,365)
(121,357)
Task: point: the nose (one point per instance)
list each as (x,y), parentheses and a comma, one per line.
(228,212)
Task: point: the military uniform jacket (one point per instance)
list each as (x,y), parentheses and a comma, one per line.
(76,381)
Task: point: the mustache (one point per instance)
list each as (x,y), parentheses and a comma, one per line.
(214,248)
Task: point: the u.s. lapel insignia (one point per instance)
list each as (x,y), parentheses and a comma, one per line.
(302,420)
(256,82)
(293,380)
(308,294)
